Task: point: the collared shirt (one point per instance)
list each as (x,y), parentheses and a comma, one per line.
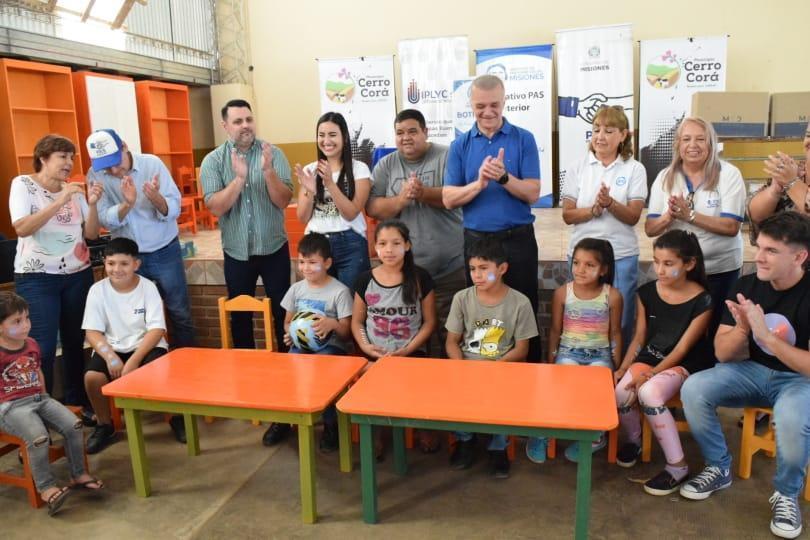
(253,225)
(144,223)
(494,209)
(627,181)
(720,253)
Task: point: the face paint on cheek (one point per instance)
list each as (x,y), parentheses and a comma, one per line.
(400,251)
(491,277)
(317,267)
(675,273)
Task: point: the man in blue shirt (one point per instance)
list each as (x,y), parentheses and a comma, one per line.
(493,174)
(141,202)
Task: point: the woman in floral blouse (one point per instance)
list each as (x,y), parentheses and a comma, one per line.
(52,270)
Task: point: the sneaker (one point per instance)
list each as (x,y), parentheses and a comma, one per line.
(536,449)
(329,438)
(663,484)
(709,480)
(628,455)
(500,464)
(572,452)
(102,436)
(787,517)
(178,426)
(275,434)
(464,455)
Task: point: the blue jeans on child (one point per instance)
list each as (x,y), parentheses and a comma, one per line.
(56,305)
(749,384)
(29,419)
(330,413)
(349,257)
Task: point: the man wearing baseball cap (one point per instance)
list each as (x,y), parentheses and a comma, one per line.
(141,202)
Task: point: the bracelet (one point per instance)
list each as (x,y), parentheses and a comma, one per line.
(790,184)
(692,216)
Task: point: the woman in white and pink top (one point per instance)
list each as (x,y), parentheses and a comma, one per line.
(52,270)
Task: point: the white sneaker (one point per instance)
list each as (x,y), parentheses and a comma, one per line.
(787,517)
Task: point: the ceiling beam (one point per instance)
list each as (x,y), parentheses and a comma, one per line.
(87,10)
(122,14)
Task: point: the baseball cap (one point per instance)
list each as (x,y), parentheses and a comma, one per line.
(105,149)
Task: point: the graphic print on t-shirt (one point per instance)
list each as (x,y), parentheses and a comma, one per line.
(391,321)
(306,304)
(20,374)
(486,338)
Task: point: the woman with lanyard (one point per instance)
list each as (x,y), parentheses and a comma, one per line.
(603,197)
(700,193)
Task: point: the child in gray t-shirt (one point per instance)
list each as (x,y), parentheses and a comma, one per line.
(331,301)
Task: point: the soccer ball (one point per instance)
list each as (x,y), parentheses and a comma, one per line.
(303,335)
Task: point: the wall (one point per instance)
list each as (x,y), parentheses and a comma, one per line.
(767,40)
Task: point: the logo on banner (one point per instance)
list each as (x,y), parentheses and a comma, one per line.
(663,71)
(594,62)
(499,70)
(415,95)
(340,87)
(594,51)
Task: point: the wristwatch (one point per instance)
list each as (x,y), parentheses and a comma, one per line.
(503,179)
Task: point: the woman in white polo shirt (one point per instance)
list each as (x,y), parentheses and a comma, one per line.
(603,196)
(702,194)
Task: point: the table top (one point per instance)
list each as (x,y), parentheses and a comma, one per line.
(252,379)
(486,392)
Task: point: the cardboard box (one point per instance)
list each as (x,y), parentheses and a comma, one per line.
(734,114)
(790,112)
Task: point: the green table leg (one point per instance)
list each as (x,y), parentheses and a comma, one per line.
(192,436)
(583,490)
(345,442)
(137,452)
(368,474)
(400,459)
(306,452)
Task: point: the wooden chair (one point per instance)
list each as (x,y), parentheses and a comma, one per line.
(187,221)
(752,443)
(244,303)
(10,443)
(646,430)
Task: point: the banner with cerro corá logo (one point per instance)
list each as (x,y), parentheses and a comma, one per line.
(671,70)
(594,69)
(428,68)
(526,75)
(362,90)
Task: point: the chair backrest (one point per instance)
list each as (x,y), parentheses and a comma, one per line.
(245,303)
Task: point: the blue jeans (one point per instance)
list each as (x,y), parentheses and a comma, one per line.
(496,443)
(625,279)
(749,384)
(29,419)
(576,356)
(56,304)
(166,269)
(241,277)
(349,257)
(330,413)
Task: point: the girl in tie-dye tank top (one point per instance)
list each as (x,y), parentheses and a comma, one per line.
(586,316)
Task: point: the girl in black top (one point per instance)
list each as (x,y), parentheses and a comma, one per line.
(670,343)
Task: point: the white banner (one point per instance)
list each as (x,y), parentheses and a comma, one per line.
(526,73)
(594,68)
(463,118)
(363,91)
(671,70)
(428,68)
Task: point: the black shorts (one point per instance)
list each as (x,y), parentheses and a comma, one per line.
(97,363)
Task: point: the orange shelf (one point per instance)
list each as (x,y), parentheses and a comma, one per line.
(35,99)
(165,122)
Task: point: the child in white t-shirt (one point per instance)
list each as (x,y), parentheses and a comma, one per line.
(124,323)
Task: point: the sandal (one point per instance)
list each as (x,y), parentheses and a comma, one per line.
(99,485)
(56,500)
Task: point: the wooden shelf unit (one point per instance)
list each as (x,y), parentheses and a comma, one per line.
(165,122)
(35,99)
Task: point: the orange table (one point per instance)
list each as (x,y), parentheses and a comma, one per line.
(244,384)
(566,402)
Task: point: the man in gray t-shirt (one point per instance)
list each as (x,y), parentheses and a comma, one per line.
(407,185)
